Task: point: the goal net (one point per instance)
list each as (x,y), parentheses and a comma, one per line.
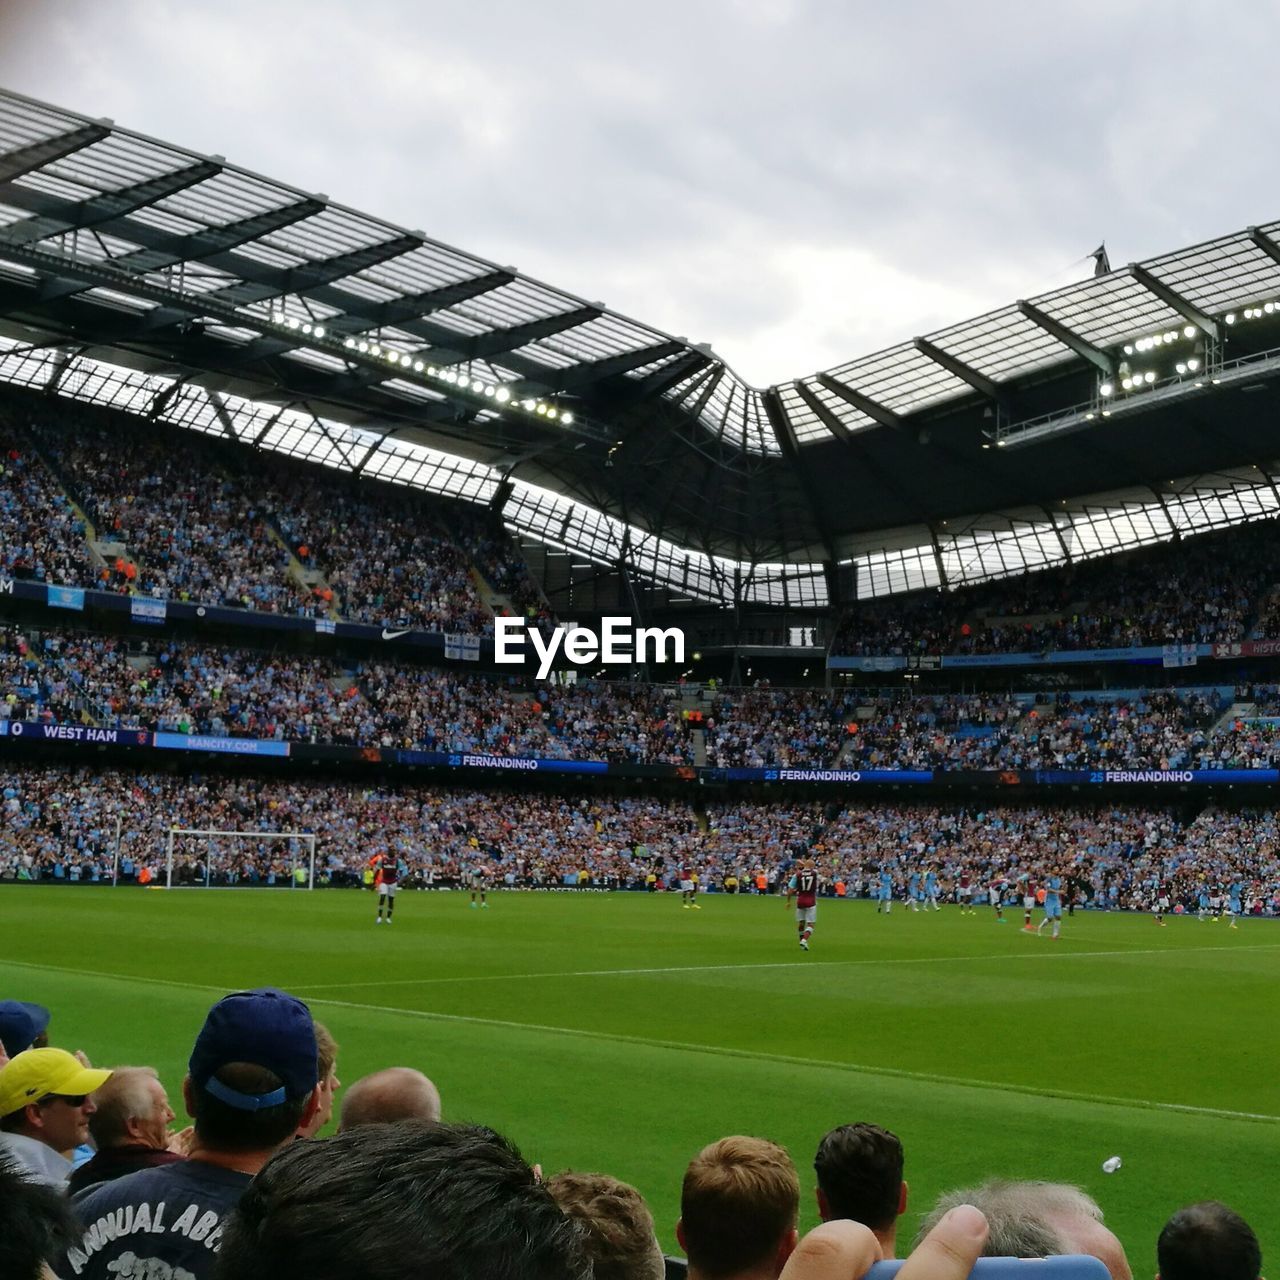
(208,859)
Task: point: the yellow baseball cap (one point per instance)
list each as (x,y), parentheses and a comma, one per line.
(35,1073)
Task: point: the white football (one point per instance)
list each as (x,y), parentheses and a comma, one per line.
(1111,1164)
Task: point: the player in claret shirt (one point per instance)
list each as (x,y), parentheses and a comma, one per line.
(689,888)
(803,886)
(388,880)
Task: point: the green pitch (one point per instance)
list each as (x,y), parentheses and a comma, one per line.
(621,1033)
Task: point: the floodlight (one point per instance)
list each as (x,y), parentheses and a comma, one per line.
(350,344)
(1157,339)
(364,348)
(1127,384)
(1230,317)
(488,391)
(392,358)
(502,395)
(1088,417)
(1128,348)
(1189,331)
(293,322)
(566,418)
(477,387)
(1149,376)
(374,349)
(1269,307)
(1181,366)
(417,366)
(553,413)
(318,331)
(432,371)
(541,409)
(306,328)
(1193,364)
(528,404)
(1106,389)
(1171,336)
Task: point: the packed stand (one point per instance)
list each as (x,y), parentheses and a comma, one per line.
(63,824)
(1206,590)
(41,536)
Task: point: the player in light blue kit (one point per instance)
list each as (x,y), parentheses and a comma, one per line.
(1235,893)
(1052,904)
(886,892)
(914,893)
(932,889)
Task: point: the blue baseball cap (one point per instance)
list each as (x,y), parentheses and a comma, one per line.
(20,1023)
(268,1028)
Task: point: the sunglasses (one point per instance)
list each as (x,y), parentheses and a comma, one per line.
(71,1099)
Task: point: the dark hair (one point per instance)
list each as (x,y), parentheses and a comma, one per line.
(455,1202)
(222,1127)
(35,1224)
(739,1199)
(1208,1241)
(859,1168)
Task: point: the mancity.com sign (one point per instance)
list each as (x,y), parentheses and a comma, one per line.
(618,642)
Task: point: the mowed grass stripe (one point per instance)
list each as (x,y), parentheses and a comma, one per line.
(682,1046)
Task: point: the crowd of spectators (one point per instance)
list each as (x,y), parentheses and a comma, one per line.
(1208,590)
(82,825)
(41,536)
(61,676)
(192,527)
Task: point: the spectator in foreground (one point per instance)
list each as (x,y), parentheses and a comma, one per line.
(859,1168)
(251,1083)
(1208,1241)
(328,1082)
(35,1224)
(1037,1220)
(46,1099)
(616,1223)
(453,1202)
(738,1210)
(844,1250)
(130,1128)
(388,1097)
(22,1026)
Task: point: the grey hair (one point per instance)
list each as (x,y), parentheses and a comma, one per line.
(122,1098)
(1021,1215)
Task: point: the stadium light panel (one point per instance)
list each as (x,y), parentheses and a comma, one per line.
(1149,377)
(1181,367)
(477,387)
(1190,331)
(566,418)
(1106,389)
(502,395)
(417,366)
(1193,364)
(350,344)
(1230,317)
(318,331)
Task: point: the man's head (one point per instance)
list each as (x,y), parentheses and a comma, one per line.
(389,1096)
(35,1224)
(46,1094)
(454,1202)
(1208,1242)
(1037,1220)
(327,1083)
(22,1026)
(133,1111)
(859,1168)
(738,1209)
(617,1226)
(252,1075)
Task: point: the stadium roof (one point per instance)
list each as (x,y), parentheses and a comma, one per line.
(242,290)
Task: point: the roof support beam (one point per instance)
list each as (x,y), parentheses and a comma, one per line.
(1187,310)
(965,372)
(498,341)
(863,403)
(313,274)
(1069,338)
(13,164)
(584,375)
(410,307)
(1264,242)
(112,204)
(776,412)
(662,380)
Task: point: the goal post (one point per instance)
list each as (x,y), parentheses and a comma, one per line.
(217,861)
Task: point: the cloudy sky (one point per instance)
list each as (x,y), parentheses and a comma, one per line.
(794,182)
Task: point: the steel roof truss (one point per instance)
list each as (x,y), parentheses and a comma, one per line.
(1100,359)
(1187,310)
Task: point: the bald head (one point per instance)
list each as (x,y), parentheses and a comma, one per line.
(387,1097)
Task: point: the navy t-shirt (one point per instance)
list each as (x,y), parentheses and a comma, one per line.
(158,1222)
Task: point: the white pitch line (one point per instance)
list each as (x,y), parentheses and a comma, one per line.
(683,1047)
(779,964)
